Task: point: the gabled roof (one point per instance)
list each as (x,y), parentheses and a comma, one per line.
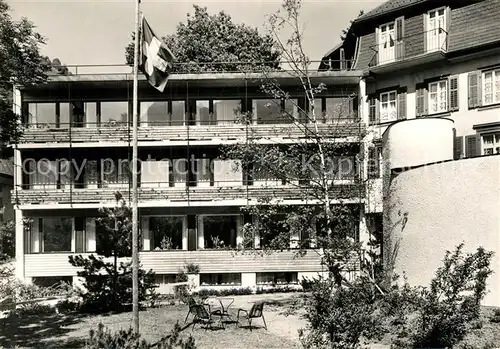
(388,7)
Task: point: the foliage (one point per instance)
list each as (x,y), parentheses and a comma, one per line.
(192,268)
(496,316)
(108,280)
(34,309)
(127,339)
(20,64)
(67,306)
(340,317)
(451,305)
(7,240)
(209,42)
(166,243)
(204,293)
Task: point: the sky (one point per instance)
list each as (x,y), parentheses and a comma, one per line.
(97,31)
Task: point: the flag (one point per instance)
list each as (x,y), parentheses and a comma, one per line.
(156,58)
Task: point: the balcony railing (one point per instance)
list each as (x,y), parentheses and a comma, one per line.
(205,67)
(395,50)
(184,131)
(180,192)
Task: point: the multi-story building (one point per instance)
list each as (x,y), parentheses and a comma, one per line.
(431,90)
(72,159)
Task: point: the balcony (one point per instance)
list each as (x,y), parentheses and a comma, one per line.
(161,134)
(409,51)
(222,193)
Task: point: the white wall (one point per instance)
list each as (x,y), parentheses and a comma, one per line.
(434,208)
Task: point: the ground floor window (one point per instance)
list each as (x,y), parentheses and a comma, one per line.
(50,281)
(491,143)
(277,278)
(165,279)
(222,279)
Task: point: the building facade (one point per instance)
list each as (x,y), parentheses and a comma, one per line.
(431,90)
(73,156)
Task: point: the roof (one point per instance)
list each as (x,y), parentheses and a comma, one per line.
(387,7)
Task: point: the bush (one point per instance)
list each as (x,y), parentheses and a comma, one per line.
(277,289)
(450,307)
(192,268)
(67,306)
(204,293)
(127,339)
(307,284)
(496,316)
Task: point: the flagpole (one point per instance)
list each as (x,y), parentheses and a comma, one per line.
(135,216)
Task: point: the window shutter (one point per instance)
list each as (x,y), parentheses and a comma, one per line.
(402,103)
(400,32)
(471,149)
(453,93)
(377,47)
(458,148)
(474,88)
(421,100)
(426,17)
(373,110)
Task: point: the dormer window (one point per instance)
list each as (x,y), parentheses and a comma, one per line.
(436,23)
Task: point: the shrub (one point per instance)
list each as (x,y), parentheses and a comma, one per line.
(192,268)
(340,317)
(496,316)
(307,284)
(35,309)
(204,293)
(127,339)
(450,307)
(67,306)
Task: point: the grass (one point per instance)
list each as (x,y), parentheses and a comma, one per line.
(70,331)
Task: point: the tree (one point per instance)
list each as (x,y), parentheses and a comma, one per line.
(313,165)
(20,64)
(108,278)
(7,240)
(215,43)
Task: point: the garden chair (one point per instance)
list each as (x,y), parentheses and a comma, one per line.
(256,311)
(190,302)
(202,316)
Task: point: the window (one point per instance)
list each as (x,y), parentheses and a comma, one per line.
(338,108)
(51,281)
(388,106)
(387,42)
(42,115)
(436,30)
(491,143)
(154,173)
(491,87)
(220,231)
(438,97)
(267,111)
(222,279)
(56,234)
(178,113)
(203,115)
(115,172)
(226,111)
(277,278)
(166,232)
(154,113)
(113,113)
(179,173)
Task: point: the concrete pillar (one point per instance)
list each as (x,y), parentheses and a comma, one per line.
(239,231)
(19,244)
(257,235)
(248,279)
(18,170)
(90,235)
(363,102)
(201,235)
(185,232)
(146,239)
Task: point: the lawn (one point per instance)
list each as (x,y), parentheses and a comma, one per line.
(70,331)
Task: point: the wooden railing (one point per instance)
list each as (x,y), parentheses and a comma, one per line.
(177,195)
(123,133)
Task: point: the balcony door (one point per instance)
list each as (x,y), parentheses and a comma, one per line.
(387,43)
(436,30)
